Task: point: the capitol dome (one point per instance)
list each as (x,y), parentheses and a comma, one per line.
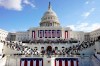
(49,18)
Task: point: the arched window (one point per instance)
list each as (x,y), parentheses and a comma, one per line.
(42,47)
(56,48)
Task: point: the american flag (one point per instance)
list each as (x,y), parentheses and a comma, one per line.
(41,33)
(50,33)
(66,62)
(53,33)
(46,33)
(58,33)
(31,62)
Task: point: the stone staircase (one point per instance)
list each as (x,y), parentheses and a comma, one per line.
(88,51)
(95,61)
(3,61)
(9,51)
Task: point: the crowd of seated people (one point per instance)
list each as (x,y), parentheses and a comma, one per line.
(80,47)
(51,41)
(70,50)
(18,47)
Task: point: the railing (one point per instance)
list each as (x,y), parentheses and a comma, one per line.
(45,55)
(85,60)
(96,61)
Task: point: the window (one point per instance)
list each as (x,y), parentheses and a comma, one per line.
(42,47)
(56,48)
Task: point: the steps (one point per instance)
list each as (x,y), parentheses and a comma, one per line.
(3,61)
(88,51)
(95,61)
(8,51)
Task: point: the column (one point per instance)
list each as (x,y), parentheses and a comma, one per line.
(66,34)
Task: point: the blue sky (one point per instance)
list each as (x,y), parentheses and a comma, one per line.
(20,15)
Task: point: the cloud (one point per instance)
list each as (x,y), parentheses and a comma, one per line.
(27,2)
(87,27)
(90,2)
(15,4)
(87,2)
(11,4)
(87,14)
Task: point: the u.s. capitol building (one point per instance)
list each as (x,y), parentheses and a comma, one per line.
(50,39)
(49,29)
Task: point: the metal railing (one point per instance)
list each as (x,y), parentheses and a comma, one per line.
(96,60)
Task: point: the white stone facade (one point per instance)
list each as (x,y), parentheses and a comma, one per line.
(87,37)
(3,35)
(22,36)
(78,35)
(94,34)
